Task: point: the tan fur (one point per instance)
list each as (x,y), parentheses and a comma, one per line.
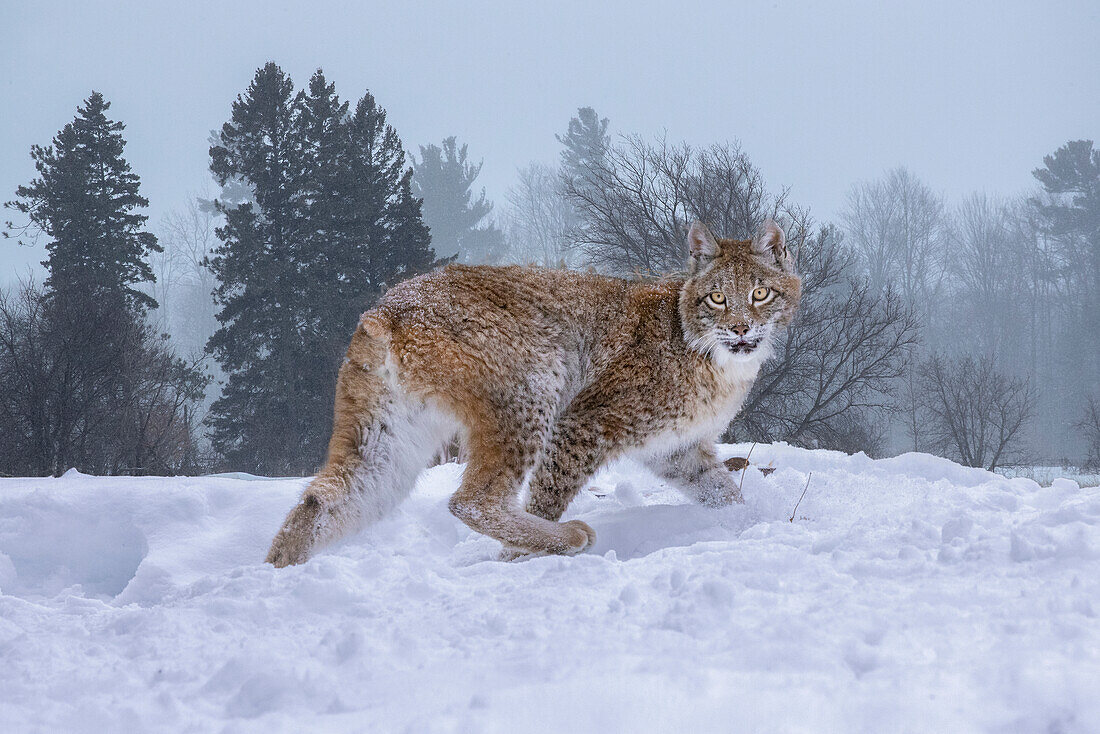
(547,372)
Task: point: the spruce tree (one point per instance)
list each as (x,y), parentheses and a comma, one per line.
(585,144)
(443,178)
(1070,217)
(106,393)
(329,224)
(260,284)
(584,154)
(86,200)
(391,241)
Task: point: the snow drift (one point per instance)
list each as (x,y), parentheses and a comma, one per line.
(907,594)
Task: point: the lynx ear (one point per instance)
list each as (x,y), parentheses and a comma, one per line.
(770,245)
(701,244)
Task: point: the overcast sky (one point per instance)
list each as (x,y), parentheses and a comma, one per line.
(967,95)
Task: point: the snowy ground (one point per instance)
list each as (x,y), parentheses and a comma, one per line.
(908,595)
(1045,475)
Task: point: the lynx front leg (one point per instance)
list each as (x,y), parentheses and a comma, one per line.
(502,450)
(695,470)
(575,451)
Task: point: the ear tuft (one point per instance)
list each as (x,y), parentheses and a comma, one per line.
(771,246)
(701,243)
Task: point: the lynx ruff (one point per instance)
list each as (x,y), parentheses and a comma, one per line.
(546,374)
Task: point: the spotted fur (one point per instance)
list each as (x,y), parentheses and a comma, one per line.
(546,374)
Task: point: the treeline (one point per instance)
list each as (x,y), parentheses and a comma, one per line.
(971,331)
(1006,291)
(85,379)
(967,330)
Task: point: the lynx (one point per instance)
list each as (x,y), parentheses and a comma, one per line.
(547,374)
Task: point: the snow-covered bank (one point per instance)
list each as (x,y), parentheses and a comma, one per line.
(908,594)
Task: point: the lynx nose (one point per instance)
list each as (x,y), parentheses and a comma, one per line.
(740,329)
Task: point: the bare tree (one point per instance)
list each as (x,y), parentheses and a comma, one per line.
(989,299)
(827,386)
(898,227)
(184,283)
(635,202)
(830,384)
(1089,425)
(539,219)
(972,412)
(95,389)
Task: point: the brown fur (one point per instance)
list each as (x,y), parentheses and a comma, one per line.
(543,369)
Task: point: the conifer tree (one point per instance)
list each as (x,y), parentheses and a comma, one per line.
(260,285)
(330,223)
(443,178)
(1069,216)
(86,200)
(585,144)
(391,239)
(103,390)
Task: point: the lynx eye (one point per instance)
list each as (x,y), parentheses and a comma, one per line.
(761,294)
(716,299)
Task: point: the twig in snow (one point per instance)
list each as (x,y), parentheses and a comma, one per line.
(742,484)
(796,504)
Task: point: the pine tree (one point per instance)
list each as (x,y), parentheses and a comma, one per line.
(585,144)
(321,134)
(106,394)
(260,285)
(443,179)
(1070,218)
(330,223)
(391,239)
(86,201)
(1072,215)
(583,160)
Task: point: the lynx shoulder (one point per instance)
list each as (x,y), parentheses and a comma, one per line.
(550,373)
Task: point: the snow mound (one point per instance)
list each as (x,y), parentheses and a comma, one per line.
(906,594)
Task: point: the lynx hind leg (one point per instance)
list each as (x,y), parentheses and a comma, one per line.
(488,499)
(694,469)
(382,439)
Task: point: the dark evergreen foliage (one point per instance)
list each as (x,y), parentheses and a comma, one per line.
(86,201)
(444,178)
(585,144)
(85,381)
(1069,217)
(330,222)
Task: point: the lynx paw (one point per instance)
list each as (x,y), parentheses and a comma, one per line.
(580,536)
(577,536)
(718,489)
(294,542)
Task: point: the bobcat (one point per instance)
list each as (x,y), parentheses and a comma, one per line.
(548,372)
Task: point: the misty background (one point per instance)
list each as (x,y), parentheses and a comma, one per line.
(951,300)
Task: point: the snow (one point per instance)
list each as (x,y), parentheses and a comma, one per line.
(908,594)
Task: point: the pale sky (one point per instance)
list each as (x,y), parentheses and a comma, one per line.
(969,96)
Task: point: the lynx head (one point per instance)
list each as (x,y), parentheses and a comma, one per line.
(738,295)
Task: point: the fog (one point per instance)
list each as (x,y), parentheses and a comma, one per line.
(968,96)
(931,166)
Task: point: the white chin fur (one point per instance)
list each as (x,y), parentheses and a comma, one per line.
(740,366)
